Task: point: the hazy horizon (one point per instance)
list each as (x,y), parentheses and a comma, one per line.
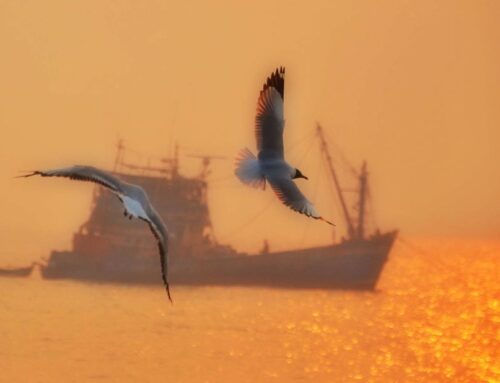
(412,88)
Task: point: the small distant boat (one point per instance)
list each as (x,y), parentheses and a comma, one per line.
(18,271)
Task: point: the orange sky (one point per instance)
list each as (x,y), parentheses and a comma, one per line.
(410,86)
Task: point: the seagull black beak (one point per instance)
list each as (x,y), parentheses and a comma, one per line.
(298,174)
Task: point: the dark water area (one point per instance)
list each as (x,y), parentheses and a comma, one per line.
(434,318)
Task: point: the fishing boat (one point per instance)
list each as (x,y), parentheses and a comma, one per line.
(17,271)
(108,248)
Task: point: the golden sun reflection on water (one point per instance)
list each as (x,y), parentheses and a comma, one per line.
(435,318)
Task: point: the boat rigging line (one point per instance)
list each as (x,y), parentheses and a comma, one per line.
(240,228)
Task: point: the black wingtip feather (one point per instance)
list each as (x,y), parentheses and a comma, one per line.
(277,81)
(168,293)
(30,174)
(325,220)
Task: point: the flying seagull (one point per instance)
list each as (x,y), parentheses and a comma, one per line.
(133,198)
(270,165)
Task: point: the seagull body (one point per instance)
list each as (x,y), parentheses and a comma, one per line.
(134,199)
(270,165)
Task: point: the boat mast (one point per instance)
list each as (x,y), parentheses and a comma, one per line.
(119,155)
(326,153)
(206,160)
(362,199)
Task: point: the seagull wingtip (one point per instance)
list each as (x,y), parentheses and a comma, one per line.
(167,288)
(28,173)
(327,221)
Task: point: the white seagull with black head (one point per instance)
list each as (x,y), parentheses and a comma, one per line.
(133,197)
(270,165)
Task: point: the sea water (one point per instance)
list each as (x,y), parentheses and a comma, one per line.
(435,317)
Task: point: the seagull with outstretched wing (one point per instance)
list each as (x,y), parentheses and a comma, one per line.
(133,198)
(270,165)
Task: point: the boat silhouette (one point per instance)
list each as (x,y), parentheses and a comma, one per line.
(108,248)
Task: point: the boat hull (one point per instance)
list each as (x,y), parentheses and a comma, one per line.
(17,272)
(352,264)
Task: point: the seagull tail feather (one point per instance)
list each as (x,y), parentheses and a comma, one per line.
(248,169)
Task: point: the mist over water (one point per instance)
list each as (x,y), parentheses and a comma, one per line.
(436,317)
(410,87)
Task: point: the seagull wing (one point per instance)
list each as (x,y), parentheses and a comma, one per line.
(159,230)
(91,174)
(269,122)
(83,173)
(289,193)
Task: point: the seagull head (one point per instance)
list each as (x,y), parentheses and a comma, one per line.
(298,174)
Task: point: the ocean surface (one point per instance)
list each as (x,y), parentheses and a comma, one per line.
(434,318)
